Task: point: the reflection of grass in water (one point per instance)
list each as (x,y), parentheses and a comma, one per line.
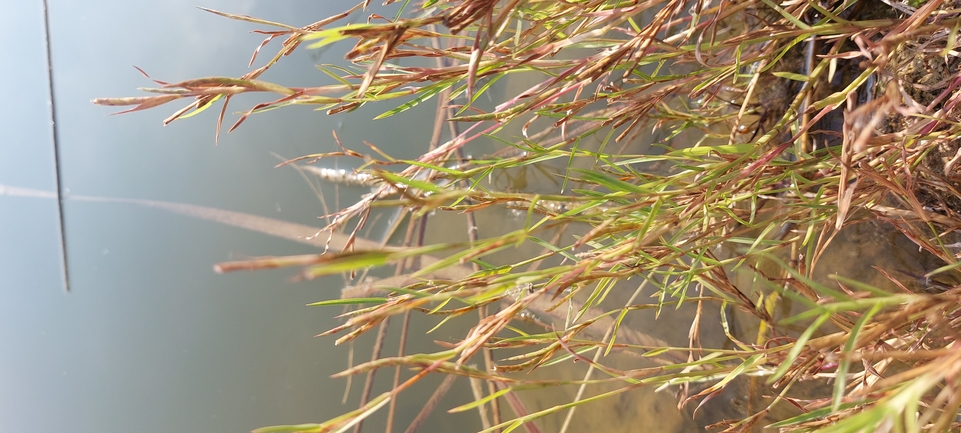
(772,120)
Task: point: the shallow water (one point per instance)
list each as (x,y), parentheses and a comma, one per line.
(150,338)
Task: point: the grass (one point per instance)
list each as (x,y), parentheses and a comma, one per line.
(776,126)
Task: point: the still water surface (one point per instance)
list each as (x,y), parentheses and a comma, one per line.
(150,339)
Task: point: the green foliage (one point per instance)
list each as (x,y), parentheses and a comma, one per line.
(747,172)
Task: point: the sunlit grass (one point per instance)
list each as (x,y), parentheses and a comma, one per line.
(776,125)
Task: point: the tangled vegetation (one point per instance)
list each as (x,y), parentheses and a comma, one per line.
(705,158)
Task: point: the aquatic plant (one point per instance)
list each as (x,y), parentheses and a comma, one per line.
(706,155)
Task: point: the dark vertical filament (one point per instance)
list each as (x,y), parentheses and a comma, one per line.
(56,148)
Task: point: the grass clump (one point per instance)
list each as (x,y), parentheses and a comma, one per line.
(776,126)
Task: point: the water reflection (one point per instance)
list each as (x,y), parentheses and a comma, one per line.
(151,339)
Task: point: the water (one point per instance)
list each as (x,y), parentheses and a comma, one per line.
(150,339)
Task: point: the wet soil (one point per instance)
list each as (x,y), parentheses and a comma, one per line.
(927,74)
